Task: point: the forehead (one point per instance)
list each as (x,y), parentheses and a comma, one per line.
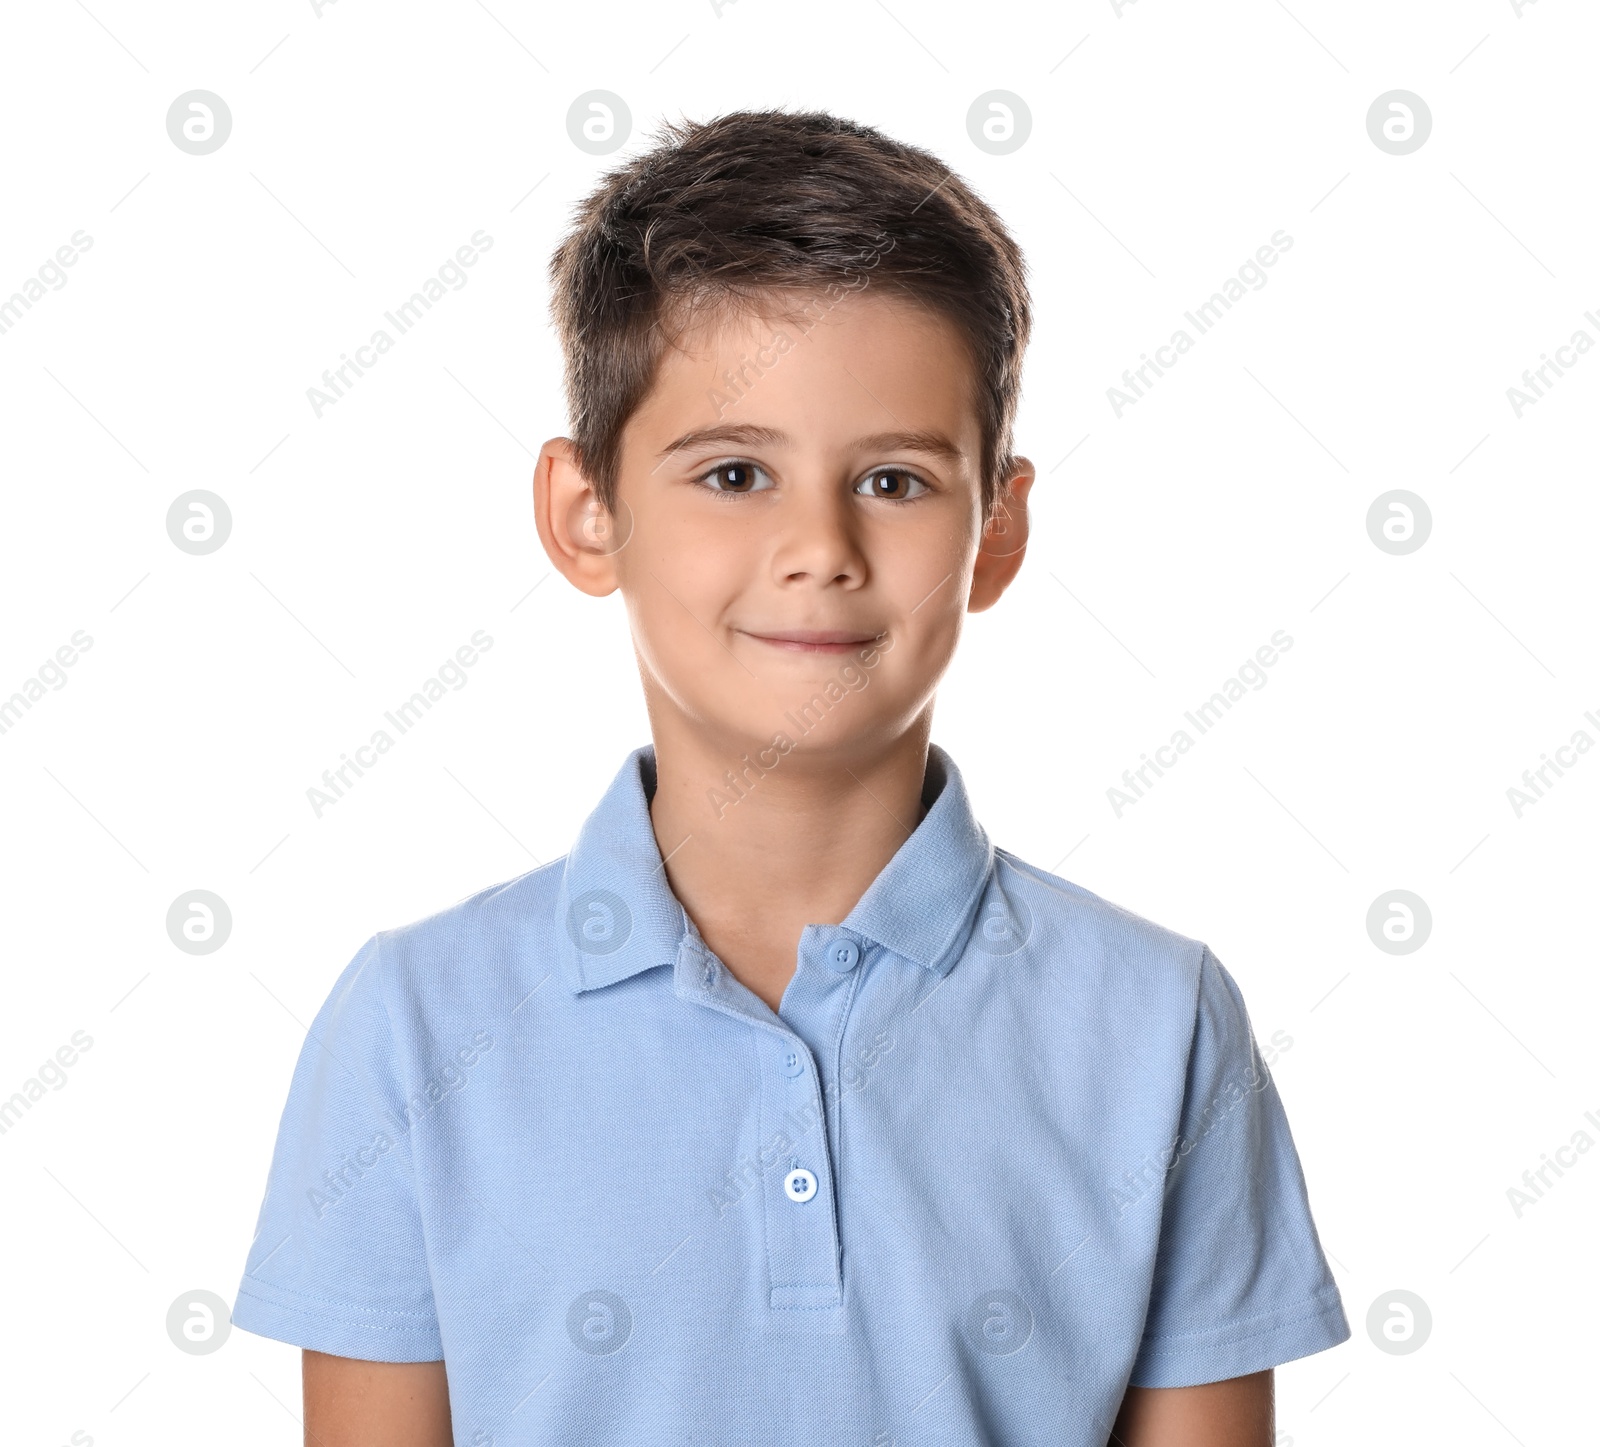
(820,363)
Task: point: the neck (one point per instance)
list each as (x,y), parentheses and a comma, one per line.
(790,839)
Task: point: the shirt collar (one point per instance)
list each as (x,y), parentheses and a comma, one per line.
(616,913)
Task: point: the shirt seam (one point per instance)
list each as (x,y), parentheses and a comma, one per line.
(1321,1308)
(270,1295)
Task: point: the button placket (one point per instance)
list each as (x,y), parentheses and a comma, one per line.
(802,1200)
(802,1244)
(802,1235)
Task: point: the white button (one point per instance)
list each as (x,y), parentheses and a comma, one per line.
(800,1185)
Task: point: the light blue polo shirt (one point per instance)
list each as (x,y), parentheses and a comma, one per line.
(1004,1149)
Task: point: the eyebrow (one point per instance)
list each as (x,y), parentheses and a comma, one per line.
(738,434)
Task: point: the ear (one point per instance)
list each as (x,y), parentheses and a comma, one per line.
(580,536)
(1004,540)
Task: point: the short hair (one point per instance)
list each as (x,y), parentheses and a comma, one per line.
(754,205)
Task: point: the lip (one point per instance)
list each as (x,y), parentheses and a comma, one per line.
(814,640)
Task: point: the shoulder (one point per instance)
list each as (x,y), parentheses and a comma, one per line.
(1073,930)
(476,952)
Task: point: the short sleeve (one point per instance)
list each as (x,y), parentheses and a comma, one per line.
(1241,1283)
(338,1262)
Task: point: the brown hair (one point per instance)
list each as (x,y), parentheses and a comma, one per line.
(736,210)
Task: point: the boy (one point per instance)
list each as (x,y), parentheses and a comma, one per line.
(786,1108)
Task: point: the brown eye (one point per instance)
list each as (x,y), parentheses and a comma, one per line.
(736,477)
(892,483)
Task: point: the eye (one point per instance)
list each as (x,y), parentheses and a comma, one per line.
(894,483)
(736,477)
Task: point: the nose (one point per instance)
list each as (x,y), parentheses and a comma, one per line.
(818,543)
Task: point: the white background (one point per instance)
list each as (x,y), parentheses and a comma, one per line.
(1168,143)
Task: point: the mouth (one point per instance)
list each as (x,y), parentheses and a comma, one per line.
(814,640)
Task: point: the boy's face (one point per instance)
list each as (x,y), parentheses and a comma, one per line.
(798,528)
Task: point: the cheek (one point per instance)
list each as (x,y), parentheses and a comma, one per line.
(932,589)
(677,594)
(669,646)
(928,610)
(927,564)
(932,635)
(702,573)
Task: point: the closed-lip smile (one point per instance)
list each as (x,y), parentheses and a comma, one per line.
(813,640)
